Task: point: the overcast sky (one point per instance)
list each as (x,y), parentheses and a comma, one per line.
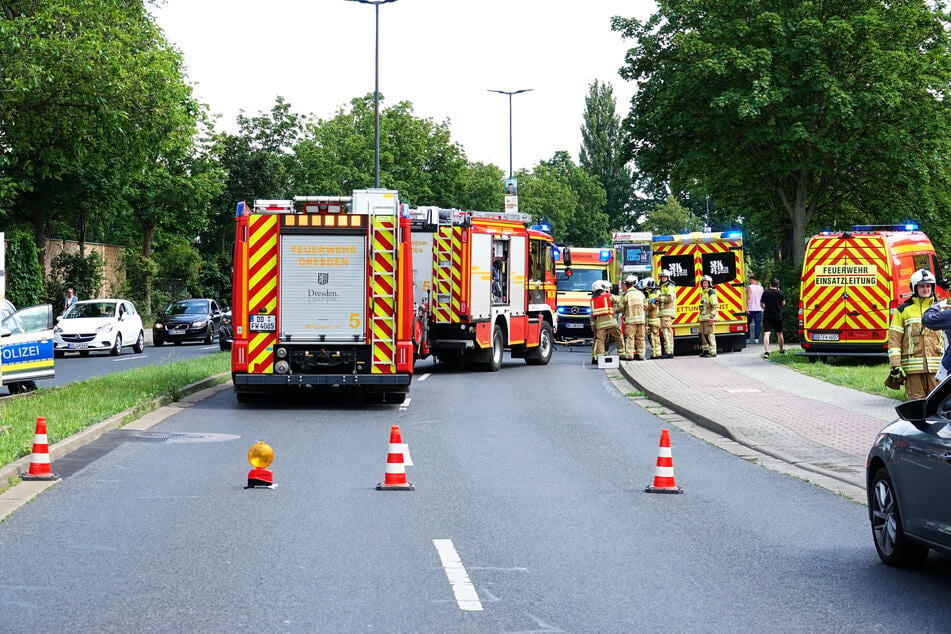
(442,55)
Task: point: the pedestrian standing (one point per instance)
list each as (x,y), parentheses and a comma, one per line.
(652,316)
(754,312)
(632,308)
(772,303)
(69,300)
(603,322)
(667,300)
(914,350)
(709,310)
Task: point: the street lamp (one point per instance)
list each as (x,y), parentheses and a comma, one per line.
(376,90)
(510,93)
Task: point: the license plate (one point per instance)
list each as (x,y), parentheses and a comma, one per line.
(78,346)
(568,324)
(263,323)
(825,336)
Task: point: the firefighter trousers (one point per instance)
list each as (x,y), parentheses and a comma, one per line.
(634,339)
(653,331)
(708,340)
(667,334)
(919,385)
(600,343)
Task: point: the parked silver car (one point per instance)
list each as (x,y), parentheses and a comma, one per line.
(909,479)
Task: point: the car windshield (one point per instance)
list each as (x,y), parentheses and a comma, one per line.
(580,280)
(90,309)
(195,307)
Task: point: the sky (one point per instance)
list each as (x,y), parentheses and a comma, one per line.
(444,56)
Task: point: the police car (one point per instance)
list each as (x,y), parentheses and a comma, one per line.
(26,346)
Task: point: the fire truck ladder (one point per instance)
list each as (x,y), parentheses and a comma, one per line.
(382,300)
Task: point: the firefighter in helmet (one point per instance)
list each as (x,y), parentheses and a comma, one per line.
(667,300)
(603,322)
(652,316)
(709,309)
(914,351)
(631,307)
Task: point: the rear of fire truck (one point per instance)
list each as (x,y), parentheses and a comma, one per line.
(323,296)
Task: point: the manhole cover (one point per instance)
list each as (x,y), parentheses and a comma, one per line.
(178,437)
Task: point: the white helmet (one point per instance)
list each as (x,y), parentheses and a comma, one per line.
(665,273)
(706,278)
(631,280)
(922,276)
(596,286)
(648,282)
(606,286)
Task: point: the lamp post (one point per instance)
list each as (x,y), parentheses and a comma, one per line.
(376,90)
(510,93)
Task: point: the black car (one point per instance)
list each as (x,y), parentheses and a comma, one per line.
(225,333)
(908,478)
(188,320)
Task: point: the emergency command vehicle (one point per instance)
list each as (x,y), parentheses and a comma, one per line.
(852,281)
(689,257)
(323,296)
(574,281)
(483,281)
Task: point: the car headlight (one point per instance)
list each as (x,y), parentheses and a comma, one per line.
(200,324)
(104,328)
(159,325)
(57,331)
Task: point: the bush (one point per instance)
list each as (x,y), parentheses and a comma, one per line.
(24,276)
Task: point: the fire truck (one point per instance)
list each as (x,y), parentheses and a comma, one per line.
(853,280)
(323,296)
(484,281)
(690,256)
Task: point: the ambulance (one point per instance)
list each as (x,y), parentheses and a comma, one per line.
(852,281)
(574,280)
(689,257)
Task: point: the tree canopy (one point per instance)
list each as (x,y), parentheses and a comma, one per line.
(797,110)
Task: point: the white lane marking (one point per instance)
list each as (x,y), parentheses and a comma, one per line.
(466,596)
(132,358)
(405,405)
(424,377)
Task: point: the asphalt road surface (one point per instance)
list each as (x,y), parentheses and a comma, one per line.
(529,515)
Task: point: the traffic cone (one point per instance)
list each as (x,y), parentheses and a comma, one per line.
(664,471)
(395,478)
(40,461)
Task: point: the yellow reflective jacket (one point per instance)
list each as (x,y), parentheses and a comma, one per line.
(709,304)
(911,345)
(667,299)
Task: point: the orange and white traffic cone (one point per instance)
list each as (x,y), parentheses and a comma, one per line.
(664,471)
(395,478)
(40,461)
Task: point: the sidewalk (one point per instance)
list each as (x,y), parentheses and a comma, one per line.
(808,423)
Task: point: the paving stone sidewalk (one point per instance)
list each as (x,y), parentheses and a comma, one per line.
(770,408)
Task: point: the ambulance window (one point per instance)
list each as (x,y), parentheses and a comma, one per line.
(720,266)
(681,269)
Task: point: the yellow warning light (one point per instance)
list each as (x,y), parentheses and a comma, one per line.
(260,455)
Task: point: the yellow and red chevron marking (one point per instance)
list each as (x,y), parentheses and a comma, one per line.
(383,297)
(442,276)
(458,267)
(262,288)
(867,306)
(688,297)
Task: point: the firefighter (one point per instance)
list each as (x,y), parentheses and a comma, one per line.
(652,316)
(709,309)
(631,307)
(666,298)
(603,322)
(914,351)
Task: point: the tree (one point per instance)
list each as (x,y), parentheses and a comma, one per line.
(602,154)
(91,91)
(804,106)
(671,218)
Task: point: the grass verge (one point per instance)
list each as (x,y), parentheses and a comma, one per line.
(74,407)
(866,374)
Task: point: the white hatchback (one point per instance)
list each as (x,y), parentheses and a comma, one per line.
(98,324)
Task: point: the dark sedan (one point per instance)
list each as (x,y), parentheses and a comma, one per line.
(908,480)
(188,320)
(225,334)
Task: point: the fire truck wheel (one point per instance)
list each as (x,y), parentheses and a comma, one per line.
(395,398)
(374,398)
(450,357)
(546,345)
(495,352)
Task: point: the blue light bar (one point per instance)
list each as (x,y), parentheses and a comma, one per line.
(581,310)
(555,252)
(663,238)
(239,210)
(732,234)
(605,255)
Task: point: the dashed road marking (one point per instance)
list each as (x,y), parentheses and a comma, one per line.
(466,596)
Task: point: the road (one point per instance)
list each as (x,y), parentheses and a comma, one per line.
(531,477)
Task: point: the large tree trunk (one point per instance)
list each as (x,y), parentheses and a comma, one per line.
(799,208)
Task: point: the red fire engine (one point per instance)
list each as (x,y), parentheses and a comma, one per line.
(484,281)
(323,296)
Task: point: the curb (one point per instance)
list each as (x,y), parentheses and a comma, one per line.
(84,437)
(720,429)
